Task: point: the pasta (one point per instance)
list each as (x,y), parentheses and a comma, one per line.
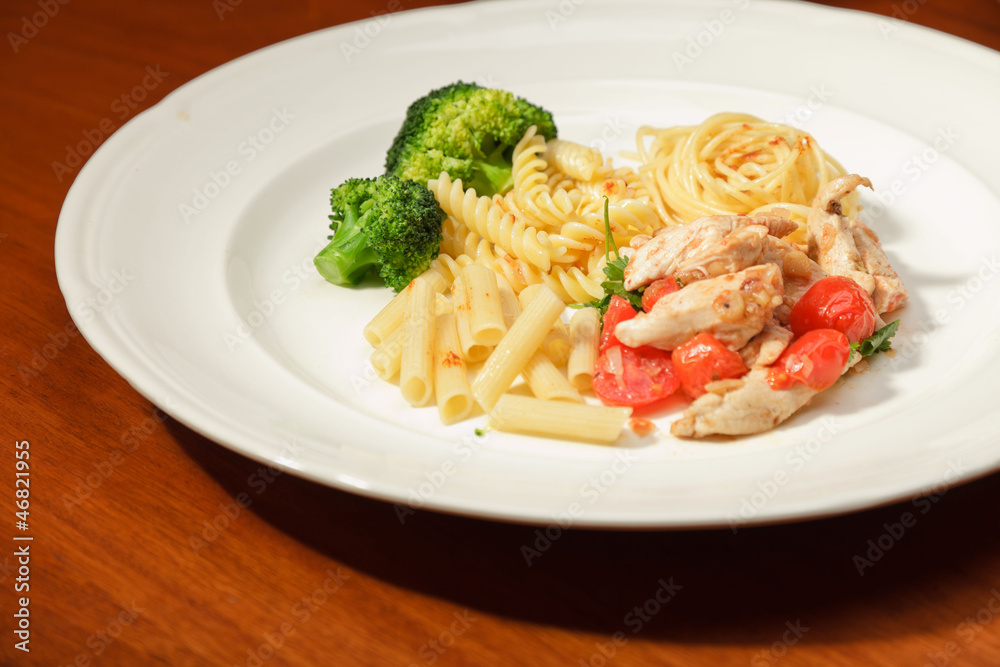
(734,163)
(584,333)
(448,267)
(490,219)
(628,216)
(575,160)
(483,309)
(556,343)
(531,191)
(572,285)
(546,381)
(387,356)
(417,343)
(458,240)
(451,382)
(522,414)
(389,318)
(515,350)
(471,349)
(388,353)
(550,228)
(541,374)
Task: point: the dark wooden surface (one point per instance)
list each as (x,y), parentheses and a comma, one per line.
(306,575)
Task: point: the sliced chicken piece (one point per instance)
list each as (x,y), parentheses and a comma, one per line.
(752,407)
(733,308)
(800,274)
(889,293)
(639,240)
(659,255)
(799,271)
(831,242)
(776,249)
(664,253)
(765,348)
(743,408)
(777,226)
(739,249)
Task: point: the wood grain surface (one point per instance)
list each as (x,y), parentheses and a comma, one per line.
(288,572)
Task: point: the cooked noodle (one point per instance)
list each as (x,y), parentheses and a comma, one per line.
(734,163)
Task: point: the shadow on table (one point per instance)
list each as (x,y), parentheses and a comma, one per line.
(722,586)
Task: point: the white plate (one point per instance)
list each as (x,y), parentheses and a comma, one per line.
(184,252)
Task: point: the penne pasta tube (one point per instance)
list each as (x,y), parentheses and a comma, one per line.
(548,382)
(391,316)
(442,305)
(485,313)
(576,421)
(451,380)
(541,374)
(528,293)
(508,301)
(584,336)
(388,355)
(514,351)
(472,351)
(556,343)
(417,361)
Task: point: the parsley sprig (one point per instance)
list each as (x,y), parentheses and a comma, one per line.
(614,272)
(879,341)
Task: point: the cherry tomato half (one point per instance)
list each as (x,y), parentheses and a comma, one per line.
(619,310)
(835,302)
(634,376)
(658,289)
(704,359)
(816,359)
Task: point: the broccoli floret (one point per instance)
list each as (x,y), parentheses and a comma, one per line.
(468,131)
(387,223)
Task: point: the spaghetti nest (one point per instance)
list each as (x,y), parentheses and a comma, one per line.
(735,163)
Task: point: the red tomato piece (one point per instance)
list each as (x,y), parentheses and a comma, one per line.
(634,376)
(816,359)
(835,302)
(658,289)
(619,310)
(704,359)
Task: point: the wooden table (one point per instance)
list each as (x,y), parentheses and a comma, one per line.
(144,554)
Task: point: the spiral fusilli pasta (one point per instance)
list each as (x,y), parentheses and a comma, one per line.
(531,192)
(575,160)
(490,219)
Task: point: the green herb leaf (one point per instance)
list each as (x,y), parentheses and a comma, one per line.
(614,272)
(615,284)
(880,341)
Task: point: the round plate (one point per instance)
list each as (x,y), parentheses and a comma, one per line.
(184,252)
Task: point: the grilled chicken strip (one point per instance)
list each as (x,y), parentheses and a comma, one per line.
(733,308)
(745,406)
(765,348)
(831,242)
(800,274)
(663,254)
(889,293)
(799,271)
(739,249)
(752,407)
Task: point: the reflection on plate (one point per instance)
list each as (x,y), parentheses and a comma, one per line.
(213,203)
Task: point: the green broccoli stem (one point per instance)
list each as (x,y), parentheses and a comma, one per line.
(493,174)
(347,259)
